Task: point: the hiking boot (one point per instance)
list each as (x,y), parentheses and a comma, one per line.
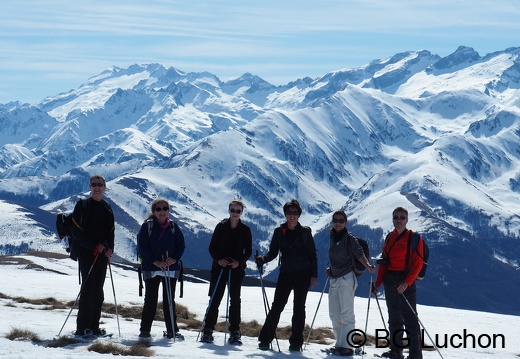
(392,354)
(344,352)
(234,337)
(264,346)
(295,348)
(83,332)
(207,337)
(144,335)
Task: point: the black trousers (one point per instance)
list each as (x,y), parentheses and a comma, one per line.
(235,286)
(299,282)
(400,317)
(151,297)
(92,295)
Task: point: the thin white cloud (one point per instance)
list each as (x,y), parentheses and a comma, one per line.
(300,38)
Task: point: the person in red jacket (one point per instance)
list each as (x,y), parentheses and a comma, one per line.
(397,271)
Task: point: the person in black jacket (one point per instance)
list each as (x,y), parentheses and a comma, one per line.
(93,232)
(298,272)
(230,248)
(160,244)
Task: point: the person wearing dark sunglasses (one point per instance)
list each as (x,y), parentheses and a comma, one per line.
(93,233)
(298,272)
(343,247)
(397,271)
(160,244)
(230,247)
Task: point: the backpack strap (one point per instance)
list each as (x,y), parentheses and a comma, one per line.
(83,215)
(387,239)
(150,226)
(181,279)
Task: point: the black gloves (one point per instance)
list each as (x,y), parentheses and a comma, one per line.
(259,261)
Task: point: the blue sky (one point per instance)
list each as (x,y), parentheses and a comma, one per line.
(49,47)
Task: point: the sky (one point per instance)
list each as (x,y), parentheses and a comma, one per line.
(49,47)
(60,281)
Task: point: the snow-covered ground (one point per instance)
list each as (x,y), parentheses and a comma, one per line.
(444,325)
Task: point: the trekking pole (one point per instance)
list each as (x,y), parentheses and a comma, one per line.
(210,301)
(418,319)
(368,307)
(315,313)
(115,300)
(380,312)
(266,301)
(227,306)
(81,288)
(167,286)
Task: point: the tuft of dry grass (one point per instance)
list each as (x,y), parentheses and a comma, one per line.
(115,349)
(22,334)
(61,342)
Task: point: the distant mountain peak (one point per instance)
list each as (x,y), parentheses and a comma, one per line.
(437,135)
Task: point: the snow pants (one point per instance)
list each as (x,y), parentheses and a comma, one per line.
(341,307)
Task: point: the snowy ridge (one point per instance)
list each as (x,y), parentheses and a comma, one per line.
(437,135)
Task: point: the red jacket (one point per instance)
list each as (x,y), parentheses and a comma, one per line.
(396,252)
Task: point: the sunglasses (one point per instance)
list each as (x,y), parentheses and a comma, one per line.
(338,220)
(97,184)
(399,217)
(292,213)
(159,209)
(237,211)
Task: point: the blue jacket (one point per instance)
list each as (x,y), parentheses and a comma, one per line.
(152,247)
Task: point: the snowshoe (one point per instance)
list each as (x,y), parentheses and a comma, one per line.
(178,337)
(85,335)
(145,338)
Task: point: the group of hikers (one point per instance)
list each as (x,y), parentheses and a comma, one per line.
(161,244)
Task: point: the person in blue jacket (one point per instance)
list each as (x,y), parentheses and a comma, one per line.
(160,244)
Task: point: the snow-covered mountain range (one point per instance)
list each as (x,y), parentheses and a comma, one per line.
(440,136)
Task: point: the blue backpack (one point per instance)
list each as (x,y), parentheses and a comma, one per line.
(413,245)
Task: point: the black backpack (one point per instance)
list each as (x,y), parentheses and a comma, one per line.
(64,229)
(359,268)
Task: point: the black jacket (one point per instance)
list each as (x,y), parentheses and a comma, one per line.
(227,242)
(92,224)
(297,249)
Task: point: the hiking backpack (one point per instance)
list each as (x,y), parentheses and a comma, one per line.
(413,244)
(64,229)
(358,267)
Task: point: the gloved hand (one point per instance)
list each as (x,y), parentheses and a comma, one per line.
(99,248)
(259,261)
(374,289)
